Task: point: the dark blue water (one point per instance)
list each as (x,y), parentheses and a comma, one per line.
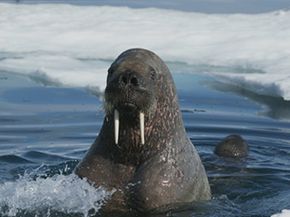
(46,130)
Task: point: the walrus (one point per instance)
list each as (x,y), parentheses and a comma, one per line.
(232,146)
(142,150)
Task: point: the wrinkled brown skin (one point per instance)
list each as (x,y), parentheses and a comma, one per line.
(232,146)
(166,170)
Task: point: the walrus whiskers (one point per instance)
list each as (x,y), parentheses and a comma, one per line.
(116,125)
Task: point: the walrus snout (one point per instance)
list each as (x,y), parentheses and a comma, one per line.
(130,94)
(130,79)
(130,89)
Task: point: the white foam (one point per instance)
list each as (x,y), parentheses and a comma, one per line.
(55,39)
(67,194)
(284,213)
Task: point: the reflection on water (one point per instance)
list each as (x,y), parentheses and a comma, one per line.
(277,107)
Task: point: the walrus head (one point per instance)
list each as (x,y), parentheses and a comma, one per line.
(139,89)
(130,91)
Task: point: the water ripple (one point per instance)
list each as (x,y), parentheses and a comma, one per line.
(14,159)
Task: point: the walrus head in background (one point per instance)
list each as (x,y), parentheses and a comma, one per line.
(136,96)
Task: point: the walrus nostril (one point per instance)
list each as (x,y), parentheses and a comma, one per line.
(124,79)
(127,79)
(134,81)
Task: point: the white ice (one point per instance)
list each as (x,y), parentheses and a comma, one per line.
(74,45)
(284,213)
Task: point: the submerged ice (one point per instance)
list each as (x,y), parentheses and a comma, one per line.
(74,45)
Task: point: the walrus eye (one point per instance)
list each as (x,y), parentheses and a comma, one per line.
(152,74)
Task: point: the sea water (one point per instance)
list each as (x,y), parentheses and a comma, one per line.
(231,72)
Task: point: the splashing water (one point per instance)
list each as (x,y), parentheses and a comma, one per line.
(42,196)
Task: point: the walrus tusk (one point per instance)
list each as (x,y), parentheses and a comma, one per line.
(142,128)
(116,125)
